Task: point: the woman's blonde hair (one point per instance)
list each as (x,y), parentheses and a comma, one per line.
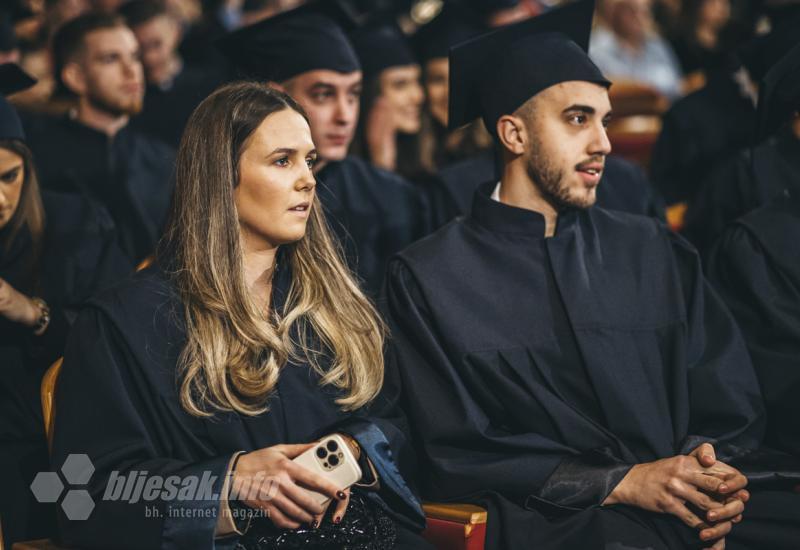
(234,352)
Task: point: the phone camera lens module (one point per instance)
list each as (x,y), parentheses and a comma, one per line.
(334,460)
(332,446)
(321,452)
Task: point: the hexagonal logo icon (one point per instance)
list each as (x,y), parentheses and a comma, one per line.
(47,487)
(78,505)
(77,469)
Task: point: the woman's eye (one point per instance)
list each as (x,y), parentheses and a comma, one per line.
(311,162)
(10,176)
(283,161)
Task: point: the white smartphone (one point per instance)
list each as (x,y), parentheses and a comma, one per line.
(331,458)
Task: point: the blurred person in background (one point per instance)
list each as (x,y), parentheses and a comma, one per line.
(392,97)
(93,150)
(173,88)
(630,49)
(56,249)
(700,42)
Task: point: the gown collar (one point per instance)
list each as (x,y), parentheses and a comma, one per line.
(503,218)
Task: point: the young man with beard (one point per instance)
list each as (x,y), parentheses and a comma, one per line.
(306,53)
(92,150)
(566,366)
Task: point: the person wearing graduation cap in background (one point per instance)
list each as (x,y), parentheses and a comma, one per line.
(56,250)
(173,88)
(438,146)
(711,125)
(755,265)
(390,115)
(306,53)
(93,150)
(757,174)
(566,366)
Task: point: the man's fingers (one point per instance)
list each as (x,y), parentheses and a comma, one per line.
(732,508)
(699,499)
(719,545)
(686,516)
(706,482)
(705,454)
(716,531)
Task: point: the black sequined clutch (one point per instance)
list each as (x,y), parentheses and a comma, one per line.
(365,526)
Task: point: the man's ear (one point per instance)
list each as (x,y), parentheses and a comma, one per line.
(73,77)
(511,134)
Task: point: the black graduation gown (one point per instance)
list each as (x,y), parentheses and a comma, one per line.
(699,131)
(535,372)
(374,213)
(624,187)
(740,185)
(24,358)
(167,109)
(117,402)
(130,175)
(80,256)
(756,267)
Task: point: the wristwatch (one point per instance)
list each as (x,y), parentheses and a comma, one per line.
(44,316)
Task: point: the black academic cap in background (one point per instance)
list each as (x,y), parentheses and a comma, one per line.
(778,95)
(495,73)
(453,25)
(12,80)
(380,45)
(293,42)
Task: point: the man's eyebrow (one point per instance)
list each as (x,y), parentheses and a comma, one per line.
(587,109)
(322,86)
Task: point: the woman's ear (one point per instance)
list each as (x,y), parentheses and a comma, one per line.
(73,77)
(511,133)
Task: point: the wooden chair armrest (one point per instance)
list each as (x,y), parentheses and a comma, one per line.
(460,513)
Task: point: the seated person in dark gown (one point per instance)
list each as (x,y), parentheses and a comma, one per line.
(756,267)
(247,340)
(54,252)
(567,366)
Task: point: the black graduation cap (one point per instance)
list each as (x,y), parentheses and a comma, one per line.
(12,80)
(381,44)
(452,26)
(778,95)
(303,39)
(495,73)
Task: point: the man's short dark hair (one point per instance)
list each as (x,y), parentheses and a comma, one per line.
(68,41)
(139,12)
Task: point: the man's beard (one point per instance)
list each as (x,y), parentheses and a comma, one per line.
(550,181)
(115,106)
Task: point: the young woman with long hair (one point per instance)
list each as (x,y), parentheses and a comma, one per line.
(244,343)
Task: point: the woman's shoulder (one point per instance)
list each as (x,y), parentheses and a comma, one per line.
(138,299)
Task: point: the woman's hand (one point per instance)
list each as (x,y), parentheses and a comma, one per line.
(16,307)
(267,479)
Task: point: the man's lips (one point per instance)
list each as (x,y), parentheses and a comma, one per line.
(590,172)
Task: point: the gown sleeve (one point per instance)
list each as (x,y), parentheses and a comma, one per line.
(106,410)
